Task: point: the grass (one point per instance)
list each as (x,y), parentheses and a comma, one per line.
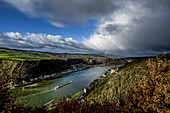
(74,96)
(115,86)
(16,56)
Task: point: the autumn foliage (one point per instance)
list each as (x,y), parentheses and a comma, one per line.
(152,93)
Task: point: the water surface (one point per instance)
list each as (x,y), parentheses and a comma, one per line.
(44,91)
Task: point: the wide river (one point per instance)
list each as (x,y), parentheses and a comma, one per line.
(44,92)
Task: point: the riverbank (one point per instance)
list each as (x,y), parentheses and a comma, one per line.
(80,96)
(45,89)
(48,77)
(31,85)
(91,86)
(32,81)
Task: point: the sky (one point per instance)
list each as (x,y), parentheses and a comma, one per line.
(115,27)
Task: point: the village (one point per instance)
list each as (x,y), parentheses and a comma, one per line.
(92,85)
(74,68)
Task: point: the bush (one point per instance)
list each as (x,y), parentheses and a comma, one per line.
(152,92)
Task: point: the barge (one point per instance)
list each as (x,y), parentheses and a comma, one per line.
(57,87)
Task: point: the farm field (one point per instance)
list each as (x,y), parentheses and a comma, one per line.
(16,56)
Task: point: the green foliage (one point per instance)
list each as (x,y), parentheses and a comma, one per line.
(16,56)
(75,96)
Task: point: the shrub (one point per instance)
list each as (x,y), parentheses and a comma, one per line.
(152,92)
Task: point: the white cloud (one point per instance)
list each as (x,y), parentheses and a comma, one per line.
(53,43)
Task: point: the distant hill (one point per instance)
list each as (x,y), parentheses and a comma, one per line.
(45,53)
(26,64)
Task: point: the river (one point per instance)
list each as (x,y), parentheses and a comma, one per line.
(44,92)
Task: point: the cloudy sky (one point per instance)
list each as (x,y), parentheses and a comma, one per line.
(117,27)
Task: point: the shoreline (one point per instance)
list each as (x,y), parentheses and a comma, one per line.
(35,84)
(87,90)
(63,73)
(80,96)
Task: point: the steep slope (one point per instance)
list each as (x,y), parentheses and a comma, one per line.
(27,69)
(115,86)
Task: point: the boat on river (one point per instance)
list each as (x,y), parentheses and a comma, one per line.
(57,87)
(45,105)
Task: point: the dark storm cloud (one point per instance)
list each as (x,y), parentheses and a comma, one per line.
(112,28)
(64,12)
(138,27)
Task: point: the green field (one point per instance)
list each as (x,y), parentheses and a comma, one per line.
(23,55)
(36,55)
(75,96)
(16,56)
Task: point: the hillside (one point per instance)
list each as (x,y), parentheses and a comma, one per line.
(115,85)
(140,86)
(23,65)
(23,55)
(37,55)
(27,69)
(16,56)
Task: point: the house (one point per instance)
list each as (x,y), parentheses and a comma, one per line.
(85,90)
(113,70)
(24,82)
(36,79)
(31,79)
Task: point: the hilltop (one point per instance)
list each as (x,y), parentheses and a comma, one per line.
(16,54)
